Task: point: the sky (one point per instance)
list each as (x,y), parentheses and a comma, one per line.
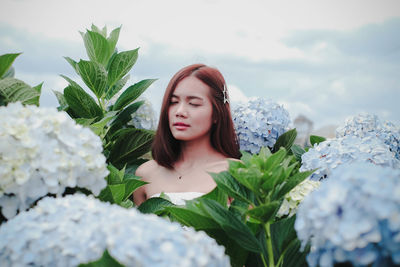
(326,60)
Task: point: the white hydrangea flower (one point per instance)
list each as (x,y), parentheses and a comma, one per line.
(353,217)
(78,229)
(259,122)
(44,151)
(329,154)
(295,197)
(144,117)
(364,125)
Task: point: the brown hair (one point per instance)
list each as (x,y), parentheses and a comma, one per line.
(166,149)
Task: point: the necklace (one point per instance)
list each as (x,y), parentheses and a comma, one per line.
(180,175)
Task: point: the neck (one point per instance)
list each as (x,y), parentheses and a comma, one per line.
(196,152)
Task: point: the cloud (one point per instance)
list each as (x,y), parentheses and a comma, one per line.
(340,72)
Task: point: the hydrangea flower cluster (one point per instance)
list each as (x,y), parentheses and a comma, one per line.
(366,125)
(44,151)
(295,197)
(327,155)
(144,117)
(353,217)
(259,122)
(78,229)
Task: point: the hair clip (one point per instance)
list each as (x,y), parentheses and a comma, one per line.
(226,100)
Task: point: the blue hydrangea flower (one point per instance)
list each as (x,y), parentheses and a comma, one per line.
(353,217)
(369,125)
(259,122)
(329,154)
(77,229)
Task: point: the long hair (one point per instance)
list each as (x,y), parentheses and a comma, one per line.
(166,149)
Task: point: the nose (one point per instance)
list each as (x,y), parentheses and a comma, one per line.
(181,110)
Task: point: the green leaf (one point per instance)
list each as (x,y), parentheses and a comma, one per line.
(236,229)
(155,205)
(73,63)
(84,122)
(116,176)
(297,151)
(113,39)
(9,74)
(61,100)
(275,159)
(103,32)
(38,88)
(131,93)
(13,90)
(113,90)
(218,195)
(249,177)
(191,218)
(120,65)
(286,140)
(6,62)
(131,185)
(265,212)
(94,75)
(127,204)
(98,127)
(130,144)
(81,103)
(228,184)
(105,261)
(125,116)
(97,47)
(315,139)
(291,183)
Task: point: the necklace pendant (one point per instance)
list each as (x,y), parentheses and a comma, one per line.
(180,177)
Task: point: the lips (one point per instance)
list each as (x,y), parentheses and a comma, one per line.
(181,126)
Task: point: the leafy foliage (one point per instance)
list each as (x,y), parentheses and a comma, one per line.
(248,227)
(105,74)
(13,90)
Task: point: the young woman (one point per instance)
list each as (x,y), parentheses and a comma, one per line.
(195,135)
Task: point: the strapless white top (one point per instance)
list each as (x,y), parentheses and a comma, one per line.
(179,198)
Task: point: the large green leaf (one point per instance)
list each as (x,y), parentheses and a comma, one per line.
(131,185)
(265,212)
(155,205)
(61,100)
(99,126)
(6,62)
(236,229)
(103,31)
(73,63)
(130,144)
(131,93)
(297,151)
(81,103)
(250,177)
(228,184)
(97,47)
(113,39)
(125,116)
(113,90)
(315,139)
(13,90)
(191,218)
(121,64)
(286,140)
(291,183)
(94,75)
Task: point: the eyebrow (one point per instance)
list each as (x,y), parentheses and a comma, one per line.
(189,97)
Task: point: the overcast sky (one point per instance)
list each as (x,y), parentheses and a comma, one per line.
(323,59)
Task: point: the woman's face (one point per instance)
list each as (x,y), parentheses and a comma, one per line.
(190,110)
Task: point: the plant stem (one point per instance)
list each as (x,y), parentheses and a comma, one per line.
(269,245)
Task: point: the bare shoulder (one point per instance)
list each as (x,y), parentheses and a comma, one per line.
(222,164)
(144,171)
